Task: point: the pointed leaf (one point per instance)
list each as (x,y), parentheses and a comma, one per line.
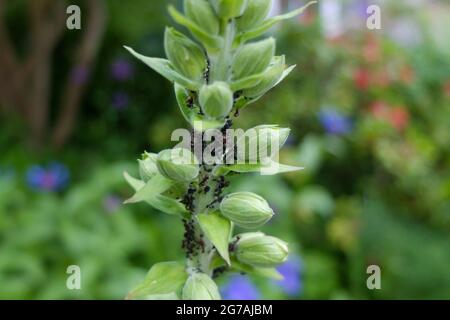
(136,184)
(218,230)
(164,68)
(270,167)
(271,273)
(182,96)
(167,205)
(266,25)
(156,185)
(246,82)
(163,278)
(209,41)
(285,74)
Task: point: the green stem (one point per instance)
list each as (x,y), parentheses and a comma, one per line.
(221,60)
(201,258)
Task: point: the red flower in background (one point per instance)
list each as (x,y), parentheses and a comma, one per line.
(379,109)
(446,88)
(361,78)
(398,117)
(371,49)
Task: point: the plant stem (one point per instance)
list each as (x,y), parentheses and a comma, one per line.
(221,61)
(201,255)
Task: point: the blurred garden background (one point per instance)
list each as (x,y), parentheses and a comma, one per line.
(370,113)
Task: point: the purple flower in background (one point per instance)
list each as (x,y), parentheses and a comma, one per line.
(111,203)
(120,100)
(79,75)
(361,7)
(240,288)
(334,122)
(54,177)
(291,270)
(121,69)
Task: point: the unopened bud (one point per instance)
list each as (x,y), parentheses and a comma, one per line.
(216,100)
(147,166)
(227,9)
(199,286)
(246,209)
(253,58)
(268,79)
(260,143)
(184,54)
(201,12)
(178,164)
(260,250)
(254,14)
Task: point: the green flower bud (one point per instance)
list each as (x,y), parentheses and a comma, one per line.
(260,142)
(200,286)
(178,164)
(254,14)
(268,80)
(246,209)
(147,166)
(201,12)
(227,9)
(253,58)
(260,250)
(184,54)
(216,100)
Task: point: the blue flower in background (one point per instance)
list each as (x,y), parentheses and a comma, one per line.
(54,177)
(240,288)
(121,69)
(291,271)
(111,203)
(120,100)
(334,122)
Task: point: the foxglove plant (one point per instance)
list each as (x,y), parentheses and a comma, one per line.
(215,76)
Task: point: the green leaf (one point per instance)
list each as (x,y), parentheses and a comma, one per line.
(266,25)
(167,205)
(165,296)
(211,42)
(271,273)
(150,192)
(285,74)
(164,68)
(218,230)
(240,168)
(136,184)
(163,278)
(243,102)
(246,82)
(156,185)
(201,124)
(182,96)
(270,167)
